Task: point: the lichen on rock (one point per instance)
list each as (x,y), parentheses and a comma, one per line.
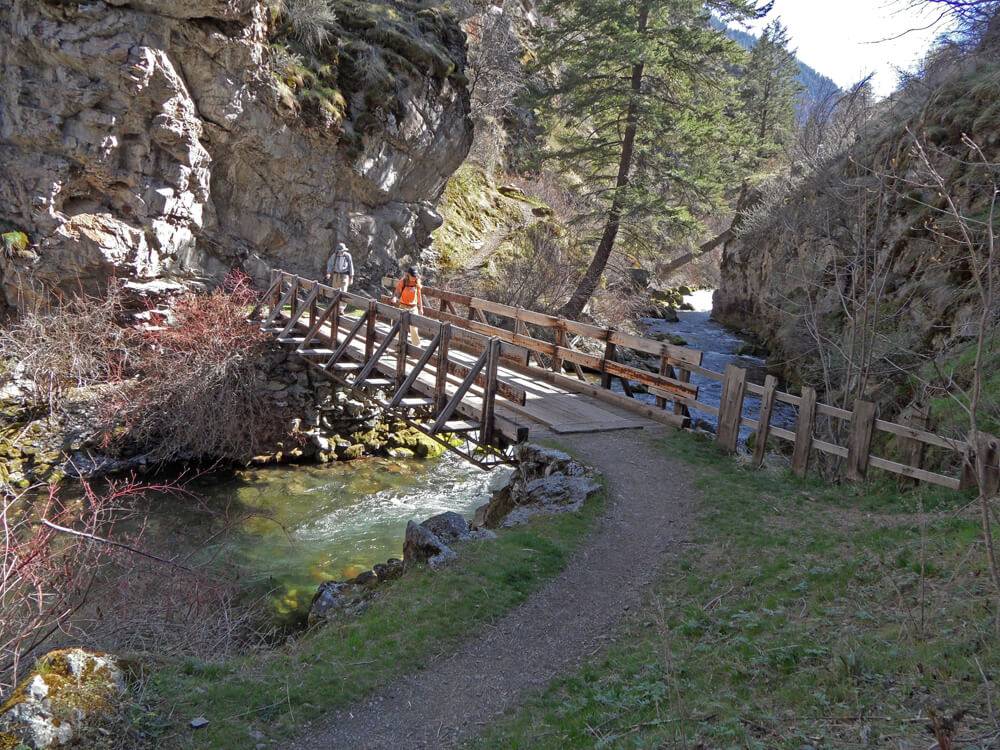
(65,699)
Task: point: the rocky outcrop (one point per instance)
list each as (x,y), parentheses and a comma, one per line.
(546,481)
(63,701)
(167,139)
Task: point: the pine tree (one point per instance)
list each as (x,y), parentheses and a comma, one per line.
(770,91)
(641,113)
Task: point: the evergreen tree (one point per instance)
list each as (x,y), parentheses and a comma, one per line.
(770,91)
(641,112)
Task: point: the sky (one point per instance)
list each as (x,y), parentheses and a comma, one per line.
(845,39)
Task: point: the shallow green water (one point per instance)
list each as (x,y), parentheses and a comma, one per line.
(284,530)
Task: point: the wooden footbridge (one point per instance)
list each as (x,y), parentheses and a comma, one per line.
(477,387)
(486,374)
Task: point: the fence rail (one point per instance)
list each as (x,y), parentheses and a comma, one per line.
(673,390)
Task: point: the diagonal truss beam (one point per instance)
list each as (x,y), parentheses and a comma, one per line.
(299,311)
(347,341)
(415,372)
(457,397)
(377,355)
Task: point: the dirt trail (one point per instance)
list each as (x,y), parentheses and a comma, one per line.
(650,509)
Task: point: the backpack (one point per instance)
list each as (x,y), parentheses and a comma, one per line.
(341,263)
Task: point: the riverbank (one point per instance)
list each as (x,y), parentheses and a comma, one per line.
(268,695)
(805,615)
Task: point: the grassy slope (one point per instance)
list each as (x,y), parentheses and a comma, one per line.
(796,621)
(421,615)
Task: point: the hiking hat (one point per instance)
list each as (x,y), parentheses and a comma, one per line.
(412,271)
(341,247)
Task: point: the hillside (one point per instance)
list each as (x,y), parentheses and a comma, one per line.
(858,273)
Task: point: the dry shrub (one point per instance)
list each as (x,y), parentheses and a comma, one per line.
(534,270)
(51,551)
(80,343)
(199,390)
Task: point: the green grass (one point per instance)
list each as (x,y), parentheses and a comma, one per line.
(798,619)
(423,614)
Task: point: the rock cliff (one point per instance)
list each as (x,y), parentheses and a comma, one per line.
(183,138)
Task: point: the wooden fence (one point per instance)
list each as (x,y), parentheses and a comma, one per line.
(673,389)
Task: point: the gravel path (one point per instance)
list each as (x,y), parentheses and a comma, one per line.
(650,509)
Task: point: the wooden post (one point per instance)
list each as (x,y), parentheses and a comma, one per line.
(804,432)
(401,344)
(335,320)
(683,375)
(668,371)
(440,385)
(764,422)
(731,407)
(609,356)
(314,308)
(983,448)
(370,333)
(859,440)
(913,450)
(557,363)
(490,392)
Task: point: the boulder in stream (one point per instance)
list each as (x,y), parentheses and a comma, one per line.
(452,528)
(546,481)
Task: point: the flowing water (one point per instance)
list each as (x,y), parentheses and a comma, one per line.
(721,347)
(285,530)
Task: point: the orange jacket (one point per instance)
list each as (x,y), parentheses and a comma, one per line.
(409,294)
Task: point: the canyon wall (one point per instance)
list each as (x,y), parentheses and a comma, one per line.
(179,139)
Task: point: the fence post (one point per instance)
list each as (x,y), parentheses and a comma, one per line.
(370,331)
(668,371)
(440,385)
(913,450)
(985,448)
(490,392)
(764,422)
(401,344)
(557,363)
(731,407)
(859,441)
(804,432)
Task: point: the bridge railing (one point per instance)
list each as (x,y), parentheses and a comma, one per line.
(523,329)
(672,383)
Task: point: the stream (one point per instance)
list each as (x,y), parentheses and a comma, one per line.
(282,531)
(721,347)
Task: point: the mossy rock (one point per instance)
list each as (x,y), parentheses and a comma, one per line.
(417,442)
(67,699)
(354,452)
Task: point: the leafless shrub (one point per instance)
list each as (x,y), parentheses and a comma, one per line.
(496,77)
(79,343)
(534,271)
(52,551)
(199,389)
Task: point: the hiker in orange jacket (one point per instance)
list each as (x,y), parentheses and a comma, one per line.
(409,295)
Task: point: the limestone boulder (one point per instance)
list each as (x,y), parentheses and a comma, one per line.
(65,700)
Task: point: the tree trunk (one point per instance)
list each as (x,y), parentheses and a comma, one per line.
(588,284)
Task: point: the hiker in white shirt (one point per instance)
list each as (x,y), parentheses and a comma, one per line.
(340,268)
